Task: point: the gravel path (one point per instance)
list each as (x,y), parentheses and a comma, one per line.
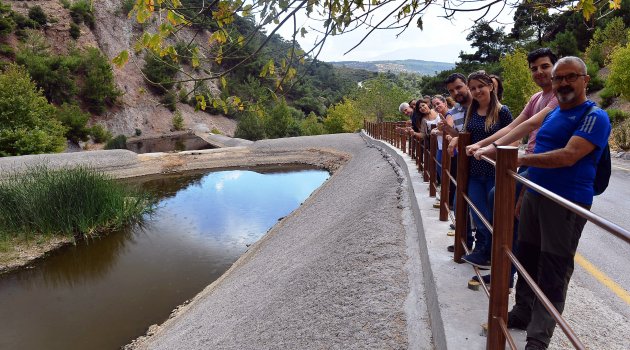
(339,272)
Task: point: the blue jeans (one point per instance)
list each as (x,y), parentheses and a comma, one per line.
(478,189)
(439,166)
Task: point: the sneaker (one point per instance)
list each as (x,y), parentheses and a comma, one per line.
(436,204)
(535,344)
(515,322)
(486,280)
(451,248)
(452,226)
(479,260)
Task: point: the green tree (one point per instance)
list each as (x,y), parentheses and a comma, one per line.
(27,123)
(311,125)
(490,43)
(250,127)
(378,99)
(98,88)
(343,117)
(517,80)
(75,122)
(7,24)
(618,81)
(278,120)
(565,44)
(605,41)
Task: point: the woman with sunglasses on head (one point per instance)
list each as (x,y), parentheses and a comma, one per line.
(485,116)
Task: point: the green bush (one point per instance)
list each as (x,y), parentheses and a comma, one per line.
(169,100)
(98,88)
(216,131)
(178,121)
(75,122)
(53,74)
(23,22)
(36,13)
(250,127)
(617,116)
(311,125)
(596,83)
(65,4)
(607,96)
(7,24)
(81,12)
(621,135)
(74,202)
(183,96)
(118,142)
(277,120)
(565,44)
(7,51)
(75,31)
(126,6)
(100,134)
(160,71)
(27,123)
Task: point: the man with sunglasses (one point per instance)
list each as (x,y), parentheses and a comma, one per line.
(569,144)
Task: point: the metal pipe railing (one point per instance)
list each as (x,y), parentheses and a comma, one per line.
(502,228)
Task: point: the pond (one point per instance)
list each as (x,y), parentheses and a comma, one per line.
(102,293)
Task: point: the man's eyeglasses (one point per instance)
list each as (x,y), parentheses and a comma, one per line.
(570,78)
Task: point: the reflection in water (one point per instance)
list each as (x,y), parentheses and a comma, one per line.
(182,142)
(104,292)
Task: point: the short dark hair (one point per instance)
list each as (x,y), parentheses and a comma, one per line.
(541,52)
(451,78)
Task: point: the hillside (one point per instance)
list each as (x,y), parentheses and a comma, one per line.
(396,66)
(138,108)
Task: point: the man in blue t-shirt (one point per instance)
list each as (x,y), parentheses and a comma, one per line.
(569,144)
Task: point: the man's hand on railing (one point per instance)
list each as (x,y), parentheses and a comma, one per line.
(452,145)
(471,149)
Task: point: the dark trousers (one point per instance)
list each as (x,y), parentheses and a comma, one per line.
(547,240)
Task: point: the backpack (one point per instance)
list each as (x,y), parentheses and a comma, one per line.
(603,167)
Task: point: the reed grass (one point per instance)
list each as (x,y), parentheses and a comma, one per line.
(77,202)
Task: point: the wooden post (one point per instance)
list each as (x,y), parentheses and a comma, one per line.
(503,229)
(425,162)
(403,141)
(446,180)
(432,164)
(461,210)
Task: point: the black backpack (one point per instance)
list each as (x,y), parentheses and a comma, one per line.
(603,167)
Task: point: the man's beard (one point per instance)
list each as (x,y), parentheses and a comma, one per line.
(565,95)
(461,99)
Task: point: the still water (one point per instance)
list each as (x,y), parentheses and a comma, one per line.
(102,293)
(182,142)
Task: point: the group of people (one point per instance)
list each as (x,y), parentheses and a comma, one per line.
(566,135)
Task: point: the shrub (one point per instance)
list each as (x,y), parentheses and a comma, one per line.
(77,202)
(605,40)
(75,122)
(250,127)
(178,121)
(216,131)
(621,135)
(159,71)
(607,96)
(7,24)
(183,95)
(126,6)
(565,44)
(54,74)
(277,120)
(311,125)
(100,134)
(118,142)
(27,123)
(617,116)
(23,22)
(65,3)
(98,86)
(169,100)
(81,12)
(37,14)
(75,31)
(7,51)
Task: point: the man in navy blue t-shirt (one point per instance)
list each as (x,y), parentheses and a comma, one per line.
(568,146)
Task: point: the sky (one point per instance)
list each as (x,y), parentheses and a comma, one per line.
(440,40)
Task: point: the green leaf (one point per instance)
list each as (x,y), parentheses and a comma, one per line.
(121,59)
(201,102)
(303,32)
(195,57)
(223,83)
(419,23)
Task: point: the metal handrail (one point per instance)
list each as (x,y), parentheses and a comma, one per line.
(585,213)
(505,249)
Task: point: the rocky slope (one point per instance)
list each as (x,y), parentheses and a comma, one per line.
(114,32)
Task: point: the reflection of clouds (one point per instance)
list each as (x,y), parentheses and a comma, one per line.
(227,176)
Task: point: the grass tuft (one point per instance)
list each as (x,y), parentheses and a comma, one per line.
(77,202)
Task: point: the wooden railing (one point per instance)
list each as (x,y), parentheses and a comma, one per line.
(501,228)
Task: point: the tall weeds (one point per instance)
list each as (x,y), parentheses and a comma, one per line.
(77,202)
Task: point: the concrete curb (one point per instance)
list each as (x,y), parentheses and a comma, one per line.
(455,312)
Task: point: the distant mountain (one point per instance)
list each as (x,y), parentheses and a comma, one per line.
(396,66)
